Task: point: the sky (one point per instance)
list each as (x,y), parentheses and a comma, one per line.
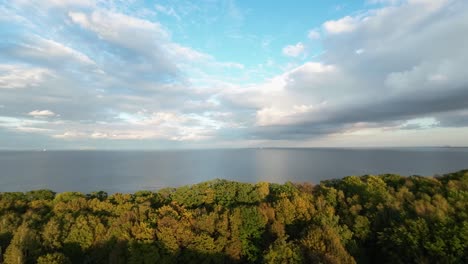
(133,74)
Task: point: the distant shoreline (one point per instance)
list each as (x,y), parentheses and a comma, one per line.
(246,148)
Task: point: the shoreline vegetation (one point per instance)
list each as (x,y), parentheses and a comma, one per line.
(357,219)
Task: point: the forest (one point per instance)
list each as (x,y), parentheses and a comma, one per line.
(357,219)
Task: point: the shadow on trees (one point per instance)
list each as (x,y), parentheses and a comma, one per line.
(5,239)
(135,252)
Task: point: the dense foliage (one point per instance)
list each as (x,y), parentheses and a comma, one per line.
(367,219)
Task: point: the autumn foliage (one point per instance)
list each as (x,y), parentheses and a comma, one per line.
(366,219)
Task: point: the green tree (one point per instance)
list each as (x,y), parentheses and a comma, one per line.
(282,251)
(24,247)
(324,245)
(53,258)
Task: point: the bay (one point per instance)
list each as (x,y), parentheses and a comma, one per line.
(129,171)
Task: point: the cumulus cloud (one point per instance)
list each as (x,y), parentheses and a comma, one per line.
(386,69)
(342,25)
(377,74)
(132,69)
(294,50)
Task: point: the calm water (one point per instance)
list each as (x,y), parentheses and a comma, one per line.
(128,171)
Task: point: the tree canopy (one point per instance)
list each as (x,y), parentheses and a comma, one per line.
(357,219)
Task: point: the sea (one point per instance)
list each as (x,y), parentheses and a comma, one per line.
(130,171)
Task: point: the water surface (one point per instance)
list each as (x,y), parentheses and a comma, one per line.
(128,171)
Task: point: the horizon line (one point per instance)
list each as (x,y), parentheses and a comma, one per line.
(224,148)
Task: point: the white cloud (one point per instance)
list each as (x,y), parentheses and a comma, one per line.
(343,25)
(396,81)
(55,49)
(396,75)
(127,31)
(32,129)
(25,125)
(161,118)
(149,42)
(21,76)
(294,50)
(274,116)
(41,113)
(313,67)
(59,3)
(86,3)
(70,135)
(313,34)
(187,54)
(171,126)
(48,50)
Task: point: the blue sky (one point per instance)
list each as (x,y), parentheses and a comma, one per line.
(84,74)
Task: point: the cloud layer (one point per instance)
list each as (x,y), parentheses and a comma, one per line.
(85,73)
